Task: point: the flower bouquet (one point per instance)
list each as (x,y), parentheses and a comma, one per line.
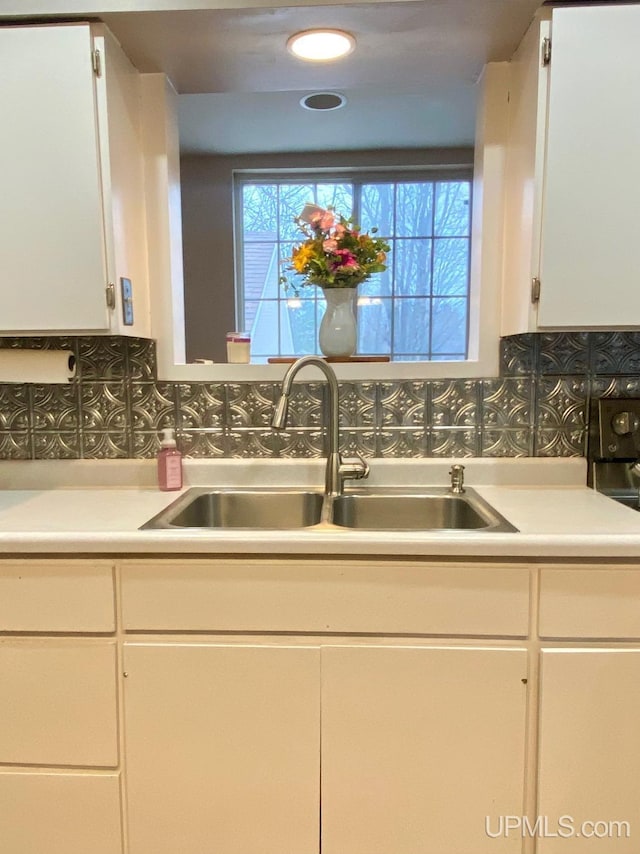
(335,252)
(335,256)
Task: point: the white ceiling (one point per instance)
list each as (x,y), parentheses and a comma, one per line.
(409,83)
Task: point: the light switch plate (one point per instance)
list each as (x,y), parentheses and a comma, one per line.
(126,291)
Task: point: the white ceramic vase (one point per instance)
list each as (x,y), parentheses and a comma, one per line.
(338,336)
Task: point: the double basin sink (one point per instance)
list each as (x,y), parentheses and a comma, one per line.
(375,509)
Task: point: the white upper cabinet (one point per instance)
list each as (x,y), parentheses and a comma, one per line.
(573,172)
(72,217)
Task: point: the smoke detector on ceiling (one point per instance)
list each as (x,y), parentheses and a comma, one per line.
(323,101)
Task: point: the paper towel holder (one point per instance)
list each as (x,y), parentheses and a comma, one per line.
(25,365)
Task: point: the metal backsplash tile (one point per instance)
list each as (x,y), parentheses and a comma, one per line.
(16,445)
(402,443)
(253,443)
(106,445)
(454,403)
(153,405)
(200,405)
(102,358)
(519,355)
(507,442)
(559,443)
(358,405)
(58,445)
(115,407)
(563,353)
(403,404)
(615,353)
(561,403)
(249,405)
(508,402)
(14,407)
(103,406)
(453,442)
(193,443)
(301,443)
(307,405)
(615,386)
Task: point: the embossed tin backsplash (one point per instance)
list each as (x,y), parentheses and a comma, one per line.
(116,406)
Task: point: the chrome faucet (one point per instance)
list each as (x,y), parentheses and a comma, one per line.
(338,470)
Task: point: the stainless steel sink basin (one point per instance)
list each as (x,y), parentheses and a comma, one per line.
(376,509)
(429,510)
(268,509)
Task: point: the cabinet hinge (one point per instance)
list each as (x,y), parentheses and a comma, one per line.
(96,61)
(546,51)
(111,295)
(535,290)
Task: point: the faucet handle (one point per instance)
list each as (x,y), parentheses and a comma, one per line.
(354,468)
(457,479)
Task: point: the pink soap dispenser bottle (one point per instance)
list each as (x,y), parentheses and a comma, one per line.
(169,462)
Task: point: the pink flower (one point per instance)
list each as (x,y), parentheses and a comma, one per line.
(330,245)
(345,260)
(322,219)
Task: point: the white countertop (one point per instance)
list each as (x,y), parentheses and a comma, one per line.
(88,507)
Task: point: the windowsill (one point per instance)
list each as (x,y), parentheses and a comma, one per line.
(354,371)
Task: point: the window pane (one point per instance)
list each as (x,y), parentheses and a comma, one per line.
(414,210)
(453,208)
(376,208)
(293,198)
(260,272)
(411,325)
(374,326)
(259,210)
(337,196)
(451,266)
(263,327)
(294,280)
(298,328)
(412,267)
(380,284)
(449,334)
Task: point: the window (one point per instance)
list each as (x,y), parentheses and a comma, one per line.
(418,310)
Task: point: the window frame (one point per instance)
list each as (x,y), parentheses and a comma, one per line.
(358,177)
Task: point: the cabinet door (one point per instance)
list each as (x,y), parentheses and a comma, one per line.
(590,263)
(58,702)
(589,763)
(222,749)
(59,813)
(421,748)
(51,225)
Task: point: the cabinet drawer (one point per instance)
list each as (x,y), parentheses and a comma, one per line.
(59,813)
(325,596)
(602,602)
(56,596)
(58,702)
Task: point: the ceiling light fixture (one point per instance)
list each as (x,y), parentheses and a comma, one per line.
(321,45)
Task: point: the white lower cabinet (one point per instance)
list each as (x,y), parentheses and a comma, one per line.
(58,702)
(223,748)
(589,751)
(359,749)
(59,812)
(420,747)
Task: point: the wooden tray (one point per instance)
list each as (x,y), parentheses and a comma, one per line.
(289,360)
